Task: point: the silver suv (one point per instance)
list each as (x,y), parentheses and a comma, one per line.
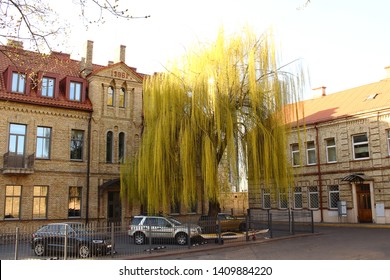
(143,227)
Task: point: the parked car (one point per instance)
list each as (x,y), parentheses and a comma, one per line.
(143,227)
(80,241)
(227,222)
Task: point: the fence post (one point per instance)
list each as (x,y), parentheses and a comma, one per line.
(247,221)
(16,243)
(112,240)
(189,236)
(292,222)
(220,242)
(270,224)
(312,221)
(66,242)
(150,238)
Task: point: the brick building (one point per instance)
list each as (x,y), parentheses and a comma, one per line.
(66,125)
(340,153)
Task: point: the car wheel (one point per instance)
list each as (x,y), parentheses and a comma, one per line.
(39,249)
(84,251)
(181,238)
(139,238)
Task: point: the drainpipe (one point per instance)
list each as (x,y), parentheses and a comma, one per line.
(319,172)
(88,166)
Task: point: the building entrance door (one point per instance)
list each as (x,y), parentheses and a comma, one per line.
(364,203)
(114,211)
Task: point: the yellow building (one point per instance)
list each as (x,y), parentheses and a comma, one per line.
(66,125)
(341,158)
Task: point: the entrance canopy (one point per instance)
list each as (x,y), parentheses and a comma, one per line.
(109,184)
(357,178)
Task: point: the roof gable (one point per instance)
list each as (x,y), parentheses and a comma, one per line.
(118,71)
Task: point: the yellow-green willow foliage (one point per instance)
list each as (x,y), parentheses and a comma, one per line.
(196,113)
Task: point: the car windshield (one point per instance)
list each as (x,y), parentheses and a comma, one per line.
(174,221)
(135,221)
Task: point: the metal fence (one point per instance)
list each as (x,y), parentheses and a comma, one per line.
(281,222)
(112,241)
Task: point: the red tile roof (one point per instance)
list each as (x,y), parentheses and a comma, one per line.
(364,99)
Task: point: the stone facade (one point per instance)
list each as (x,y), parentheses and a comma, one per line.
(342,163)
(55,187)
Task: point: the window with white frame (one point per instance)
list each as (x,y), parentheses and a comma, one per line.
(334,196)
(298,198)
(266,199)
(330,150)
(122,98)
(360,146)
(75,91)
(295,156)
(110,96)
(48,87)
(311,153)
(313,197)
(18,82)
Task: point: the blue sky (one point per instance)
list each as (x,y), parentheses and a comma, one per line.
(343,43)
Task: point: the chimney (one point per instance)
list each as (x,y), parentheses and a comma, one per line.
(387,68)
(110,62)
(15,44)
(319,92)
(122,54)
(89,55)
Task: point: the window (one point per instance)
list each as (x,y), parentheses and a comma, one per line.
(295,155)
(122,98)
(43,142)
(109,143)
(283,202)
(298,198)
(110,96)
(360,146)
(121,147)
(74,209)
(76,145)
(17,138)
(40,202)
(311,153)
(313,197)
(12,202)
(75,91)
(334,196)
(388,141)
(48,87)
(266,199)
(175,206)
(330,150)
(18,82)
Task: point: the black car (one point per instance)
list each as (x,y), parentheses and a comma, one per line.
(81,242)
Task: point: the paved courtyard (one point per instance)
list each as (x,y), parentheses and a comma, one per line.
(328,243)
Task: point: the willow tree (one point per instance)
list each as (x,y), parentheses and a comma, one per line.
(219,96)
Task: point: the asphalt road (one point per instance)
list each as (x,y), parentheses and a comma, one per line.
(328,243)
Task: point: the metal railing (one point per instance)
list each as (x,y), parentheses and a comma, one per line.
(12,160)
(112,241)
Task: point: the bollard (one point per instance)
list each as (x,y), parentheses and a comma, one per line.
(150,238)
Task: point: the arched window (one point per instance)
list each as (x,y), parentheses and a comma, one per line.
(121,147)
(122,98)
(110,96)
(109,143)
